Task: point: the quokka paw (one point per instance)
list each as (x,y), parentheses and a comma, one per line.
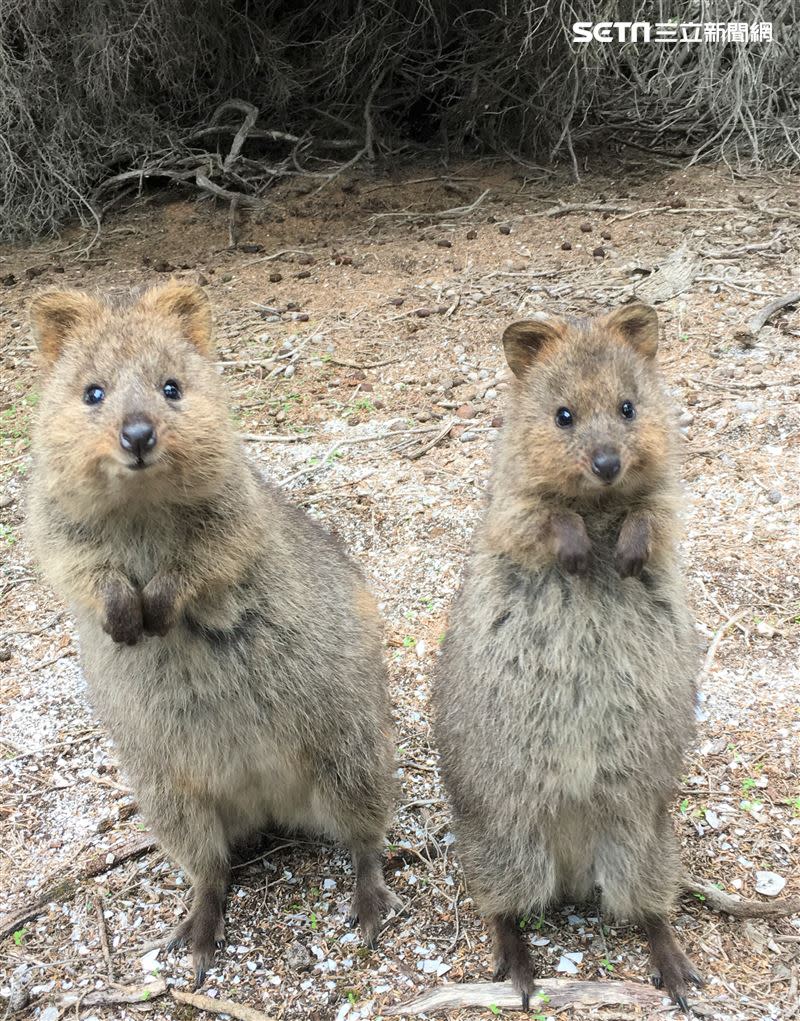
(372,901)
(633,549)
(520,970)
(571,544)
(205,933)
(673,975)
(123,614)
(158,606)
(574,553)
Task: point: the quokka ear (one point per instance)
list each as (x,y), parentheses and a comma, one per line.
(189,305)
(637,324)
(523,342)
(58,315)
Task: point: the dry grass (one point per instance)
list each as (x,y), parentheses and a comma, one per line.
(98,89)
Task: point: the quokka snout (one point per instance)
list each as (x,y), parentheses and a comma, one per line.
(230,645)
(564,697)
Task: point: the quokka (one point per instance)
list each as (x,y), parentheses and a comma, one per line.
(230,646)
(564,698)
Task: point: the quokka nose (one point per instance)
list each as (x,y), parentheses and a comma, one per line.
(137,436)
(605,465)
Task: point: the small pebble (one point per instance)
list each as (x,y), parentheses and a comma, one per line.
(289,371)
(297,957)
(599,252)
(566,246)
(586,228)
(504,228)
(444,243)
(5,654)
(774,496)
(275,277)
(471,235)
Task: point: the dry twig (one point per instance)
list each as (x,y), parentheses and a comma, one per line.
(747,335)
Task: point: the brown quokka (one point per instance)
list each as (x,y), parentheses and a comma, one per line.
(565,694)
(230,645)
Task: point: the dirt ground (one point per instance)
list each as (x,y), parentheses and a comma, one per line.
(353,326)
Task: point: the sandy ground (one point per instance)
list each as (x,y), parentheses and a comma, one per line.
(382,315)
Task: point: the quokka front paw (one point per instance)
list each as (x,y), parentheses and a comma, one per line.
(633,548)
(122,619)
(159,605)
(573,548)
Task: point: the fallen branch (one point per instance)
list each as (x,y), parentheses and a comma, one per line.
(274,437)
(250,117)
(217,191)
(110,997)
(564,208)
(358,365)
(99,908)
(747,336)
(152,990)
(442,214)
(562,992)
(216,1006)
(718,900)
(718,636)
(277,255)
(427,445)
(64,887)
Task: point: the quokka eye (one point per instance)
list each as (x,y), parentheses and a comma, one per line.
(564,418)
(171,390)
(627,410)
(93,394)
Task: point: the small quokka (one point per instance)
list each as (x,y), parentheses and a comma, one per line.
(230,645)
(564,698)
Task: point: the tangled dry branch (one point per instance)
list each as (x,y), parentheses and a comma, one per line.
(230,96)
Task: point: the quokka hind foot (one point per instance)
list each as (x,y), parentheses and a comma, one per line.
(372,899)
(203,930)
(512,957)
(673,971)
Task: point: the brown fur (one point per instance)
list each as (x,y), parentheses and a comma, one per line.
(564,695)
(262,700)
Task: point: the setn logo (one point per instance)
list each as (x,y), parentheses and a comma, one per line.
(608,31)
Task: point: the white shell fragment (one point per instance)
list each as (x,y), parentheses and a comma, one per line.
(769,883)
